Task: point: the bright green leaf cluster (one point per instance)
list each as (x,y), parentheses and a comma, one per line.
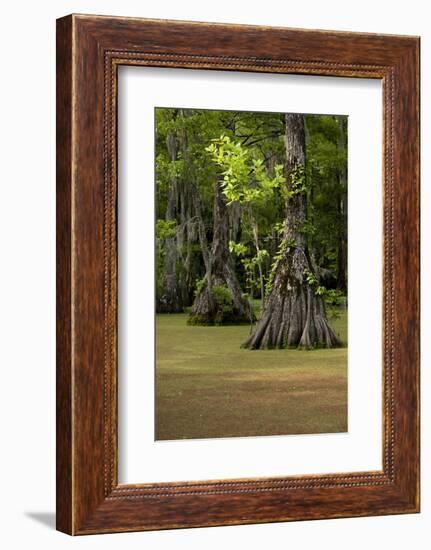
(311,279)
(166,229)
(239,249)
(250,263)
(245,178)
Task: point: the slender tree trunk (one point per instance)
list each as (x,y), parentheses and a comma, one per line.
(342,249)
(197,205)
(342,205)
(294,314)
(235,214)
(187,234)
(220,300)
(170,299)
(255,230)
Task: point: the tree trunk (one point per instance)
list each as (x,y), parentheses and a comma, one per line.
(170,299)
(187,234)
(294,314)
(342,248)
(255,230)
(220,300)
(342,205)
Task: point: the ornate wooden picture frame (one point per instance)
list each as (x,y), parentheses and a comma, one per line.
(89,51)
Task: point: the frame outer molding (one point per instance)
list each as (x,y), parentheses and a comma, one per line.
(89,50)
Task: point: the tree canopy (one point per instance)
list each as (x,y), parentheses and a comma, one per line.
(242,156)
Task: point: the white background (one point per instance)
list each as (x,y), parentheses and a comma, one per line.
(141,458)
(27,120)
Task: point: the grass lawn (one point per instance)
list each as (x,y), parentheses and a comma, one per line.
(207,386)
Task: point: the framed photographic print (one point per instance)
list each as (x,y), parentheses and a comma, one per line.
(237,274)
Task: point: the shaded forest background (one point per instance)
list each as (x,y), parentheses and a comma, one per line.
(237,195)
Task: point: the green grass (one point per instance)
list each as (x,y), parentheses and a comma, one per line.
(207,386)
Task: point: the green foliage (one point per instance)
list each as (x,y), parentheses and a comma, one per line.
(335,300)
(250,264)
(307,228)
(326,171)
(260,256)
(239,249)
(280,227)
(247,151)
(334,297)
(281,252)
(166,229)
(224,302)
(297,182)
(310,278)
(245,178)
(222,296)
(199,285)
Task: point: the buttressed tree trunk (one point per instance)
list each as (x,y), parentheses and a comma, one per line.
(220,300)
(294,314)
